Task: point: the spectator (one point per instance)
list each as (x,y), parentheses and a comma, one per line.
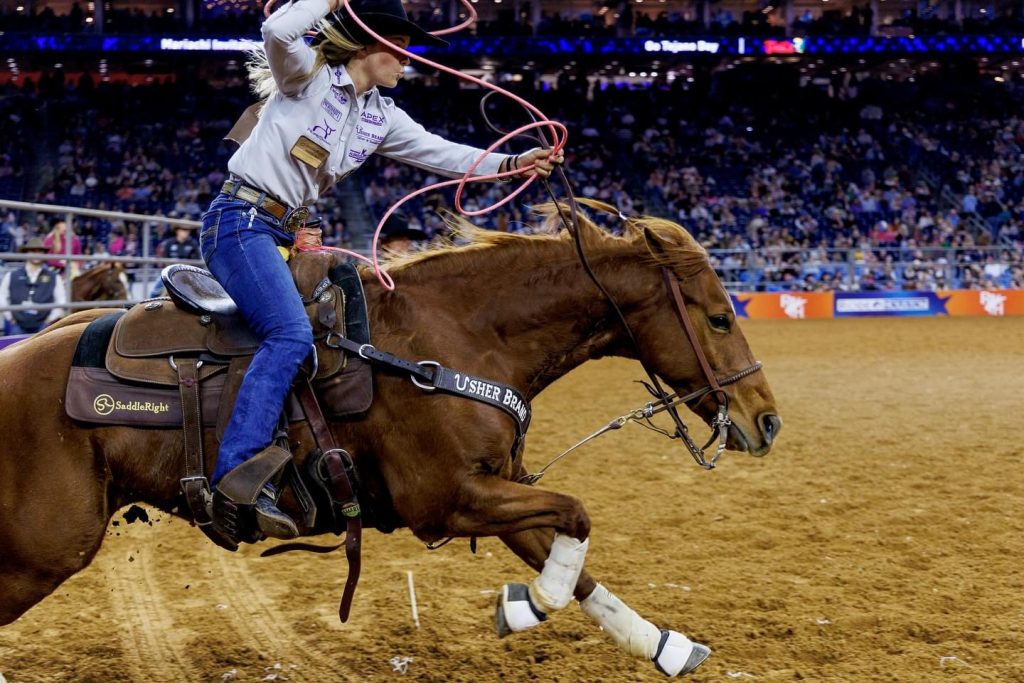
(33,282)
(7,240)
(55,243)
(397,236)
(182,247)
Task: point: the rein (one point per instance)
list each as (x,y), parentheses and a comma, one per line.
(642,416)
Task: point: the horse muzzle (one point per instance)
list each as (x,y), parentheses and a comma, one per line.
(768,425)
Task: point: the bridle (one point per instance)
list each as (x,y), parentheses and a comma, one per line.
(721,423)
(664,401)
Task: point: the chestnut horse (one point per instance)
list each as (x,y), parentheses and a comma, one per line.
(515,309)
(102,282)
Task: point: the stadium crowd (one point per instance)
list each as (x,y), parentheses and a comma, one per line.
(864,184)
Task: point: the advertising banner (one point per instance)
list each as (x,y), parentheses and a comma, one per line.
(808,305)
(7,341)
(792,305)
(886,303)
(998,302)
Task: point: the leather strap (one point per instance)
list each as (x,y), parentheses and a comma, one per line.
(342,492)
(255,197)
(430,375)
(679,305)
(194,485)
(372,353)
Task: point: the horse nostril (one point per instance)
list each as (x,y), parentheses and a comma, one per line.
(770,426)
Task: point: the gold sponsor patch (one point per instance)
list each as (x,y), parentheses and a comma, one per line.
(309,152)
(105,404)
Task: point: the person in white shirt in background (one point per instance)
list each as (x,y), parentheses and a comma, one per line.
(321,117)
(31,282)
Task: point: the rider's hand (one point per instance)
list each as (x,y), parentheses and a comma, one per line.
(544,159)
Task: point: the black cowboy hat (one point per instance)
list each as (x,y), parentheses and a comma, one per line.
(385,17)
(397,227)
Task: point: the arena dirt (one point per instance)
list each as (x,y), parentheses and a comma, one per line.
(881,541)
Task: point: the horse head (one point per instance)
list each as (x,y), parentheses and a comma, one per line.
(682,324)
(100,283)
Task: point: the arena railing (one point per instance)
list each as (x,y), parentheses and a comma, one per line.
(147,274)
(745,270)
(741,270)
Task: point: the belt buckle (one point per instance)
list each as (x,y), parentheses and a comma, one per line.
(295,218)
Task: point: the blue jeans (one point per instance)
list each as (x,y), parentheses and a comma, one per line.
(239,245)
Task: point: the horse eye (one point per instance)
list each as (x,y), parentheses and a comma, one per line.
(720,322)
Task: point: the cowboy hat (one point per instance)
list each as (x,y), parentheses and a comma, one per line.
(385,17)
(397,227)
(34,244)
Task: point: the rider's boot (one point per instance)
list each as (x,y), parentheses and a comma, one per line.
(250,487)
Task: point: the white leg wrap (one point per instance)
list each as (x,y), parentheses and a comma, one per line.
(630,631)
(518,612)
(552,590)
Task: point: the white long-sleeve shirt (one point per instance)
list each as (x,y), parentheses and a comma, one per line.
(59,294)
(325,110)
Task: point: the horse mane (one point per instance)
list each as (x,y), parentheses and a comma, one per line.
(673,246)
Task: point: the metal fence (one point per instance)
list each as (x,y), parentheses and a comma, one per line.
(741,270)
(869,267)
(145,267)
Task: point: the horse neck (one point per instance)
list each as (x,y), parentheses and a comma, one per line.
(527,314)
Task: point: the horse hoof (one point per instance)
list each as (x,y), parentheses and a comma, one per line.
(501,626)
(515,611)
(677,656)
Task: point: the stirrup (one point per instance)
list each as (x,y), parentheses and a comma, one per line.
(243,506)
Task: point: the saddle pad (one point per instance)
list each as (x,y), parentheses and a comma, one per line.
(94,395)
(92,345)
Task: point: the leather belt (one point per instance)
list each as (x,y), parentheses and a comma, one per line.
(291,219)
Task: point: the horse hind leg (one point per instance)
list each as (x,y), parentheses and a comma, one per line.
(672,653)
(28,577)
(550,531)
(19,591)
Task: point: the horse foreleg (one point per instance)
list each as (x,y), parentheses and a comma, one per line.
(672,653)
(492,506)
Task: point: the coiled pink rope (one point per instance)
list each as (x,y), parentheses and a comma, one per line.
(557,131)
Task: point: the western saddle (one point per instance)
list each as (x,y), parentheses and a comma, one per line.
(179,360)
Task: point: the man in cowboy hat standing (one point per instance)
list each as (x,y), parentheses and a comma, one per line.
(32,282)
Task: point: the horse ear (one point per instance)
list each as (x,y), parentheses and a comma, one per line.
(659,243)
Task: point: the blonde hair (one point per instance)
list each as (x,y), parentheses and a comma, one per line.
(336,47)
